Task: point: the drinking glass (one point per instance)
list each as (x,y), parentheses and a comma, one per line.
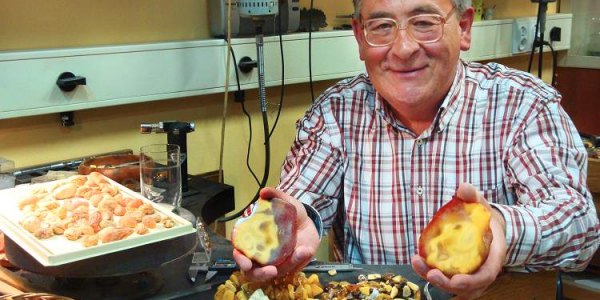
(160,174)
(7,179)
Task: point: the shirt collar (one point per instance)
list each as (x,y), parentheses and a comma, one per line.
(450,103)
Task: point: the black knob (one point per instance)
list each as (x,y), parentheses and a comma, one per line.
(246,64)
(67,81)
(67,119)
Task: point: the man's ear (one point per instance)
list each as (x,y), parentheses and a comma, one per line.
(360,37)
(465,22)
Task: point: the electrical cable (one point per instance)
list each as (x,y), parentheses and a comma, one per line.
(267,143)
(554,63)
(239,89)
(541,45)
(534,44)
(282,90)
(263,183)
(237,73)
(249,144)
(268,133)
(226,94)
(310,14)
(225,100)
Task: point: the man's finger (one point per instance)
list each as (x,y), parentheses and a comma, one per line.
(419,265)
(437,278)
(268,193)
(468,192)
(301,256)
(261,274)
(243,262)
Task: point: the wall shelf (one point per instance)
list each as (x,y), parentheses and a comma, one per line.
(494,39)
(146,72)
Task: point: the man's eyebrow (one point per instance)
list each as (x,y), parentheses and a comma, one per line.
(380,14)
(419,10)
(425,9)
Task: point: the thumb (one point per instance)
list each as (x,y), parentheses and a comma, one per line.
(469,193)
(269,193)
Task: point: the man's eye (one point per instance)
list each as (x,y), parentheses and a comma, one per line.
(381,26)
(423,23)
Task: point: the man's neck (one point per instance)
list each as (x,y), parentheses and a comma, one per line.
(417,118)
(417,126)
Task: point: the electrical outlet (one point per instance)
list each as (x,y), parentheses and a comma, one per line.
(523,35)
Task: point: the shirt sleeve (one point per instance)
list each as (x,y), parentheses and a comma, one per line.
(312,170)
(554,223)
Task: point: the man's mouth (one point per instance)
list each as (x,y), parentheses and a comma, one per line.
(407,71)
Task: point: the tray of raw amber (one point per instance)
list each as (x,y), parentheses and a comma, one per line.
(83,216)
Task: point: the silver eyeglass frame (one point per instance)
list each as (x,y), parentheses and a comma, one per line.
(443,22)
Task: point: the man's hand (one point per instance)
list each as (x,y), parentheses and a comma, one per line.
(469,286)
(307,242)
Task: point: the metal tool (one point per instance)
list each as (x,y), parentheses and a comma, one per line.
(327,267)
(211,270)
(426,291)
(201,259)
(200,265)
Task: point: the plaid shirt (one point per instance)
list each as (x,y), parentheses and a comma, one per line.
(378,185)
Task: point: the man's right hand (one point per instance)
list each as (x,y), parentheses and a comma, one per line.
(307,242)
(470,286)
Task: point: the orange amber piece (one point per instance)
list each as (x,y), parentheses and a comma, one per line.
(268,234)
(457,240)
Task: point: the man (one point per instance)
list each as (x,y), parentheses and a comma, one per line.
(377,155)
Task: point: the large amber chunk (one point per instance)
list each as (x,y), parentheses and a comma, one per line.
(268,234)
(457,240)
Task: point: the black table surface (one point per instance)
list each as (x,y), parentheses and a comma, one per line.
(171,281)
(179,287)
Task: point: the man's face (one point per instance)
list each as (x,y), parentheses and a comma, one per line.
(406,72)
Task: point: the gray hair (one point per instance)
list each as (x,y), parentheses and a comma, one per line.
(461,6)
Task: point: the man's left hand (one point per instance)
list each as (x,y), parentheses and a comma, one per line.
(470,286)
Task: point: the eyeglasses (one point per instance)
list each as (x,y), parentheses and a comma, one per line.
(424,29)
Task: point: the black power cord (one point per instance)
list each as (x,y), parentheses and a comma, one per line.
(267,132)
(312,90)
(554,63)
(539,41)
(534,44)
(263,183)
(239,97)
(282,90)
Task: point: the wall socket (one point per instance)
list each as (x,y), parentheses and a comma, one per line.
(523,35)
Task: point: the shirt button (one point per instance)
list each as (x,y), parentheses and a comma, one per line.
(419,190)
(420,142)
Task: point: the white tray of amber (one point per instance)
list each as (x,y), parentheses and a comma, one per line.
(50,247)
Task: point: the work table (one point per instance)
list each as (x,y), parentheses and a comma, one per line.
(170,281)
(508,285)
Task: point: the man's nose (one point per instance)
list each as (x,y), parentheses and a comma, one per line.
(404,45)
